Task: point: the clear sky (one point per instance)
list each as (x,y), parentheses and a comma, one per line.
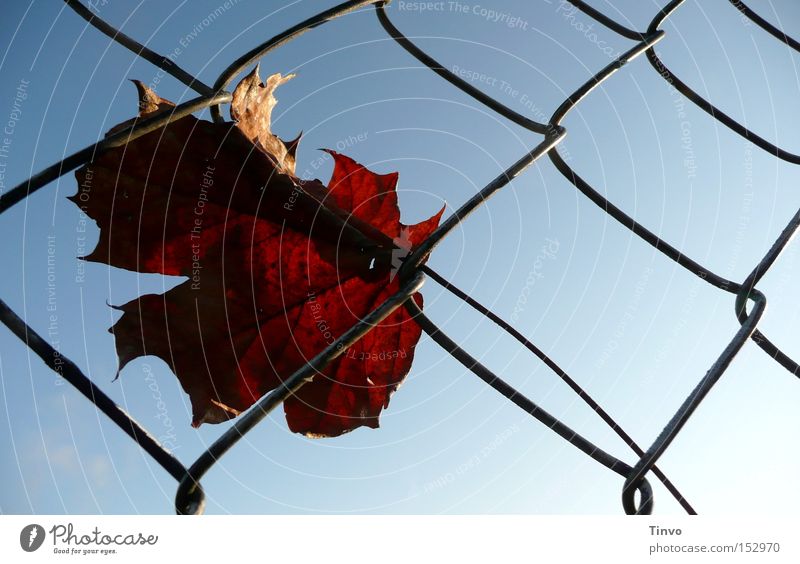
(628,324)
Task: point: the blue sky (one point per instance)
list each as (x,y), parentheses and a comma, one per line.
(628,324)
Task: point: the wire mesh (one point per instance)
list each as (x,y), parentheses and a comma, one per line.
(190,497)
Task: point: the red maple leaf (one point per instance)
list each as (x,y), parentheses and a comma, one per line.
(277,267)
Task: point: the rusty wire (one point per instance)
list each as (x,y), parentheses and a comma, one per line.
(190,498)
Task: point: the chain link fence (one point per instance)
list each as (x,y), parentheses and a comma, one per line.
(190,497)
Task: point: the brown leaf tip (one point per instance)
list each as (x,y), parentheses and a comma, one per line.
(149,101)
(251,108)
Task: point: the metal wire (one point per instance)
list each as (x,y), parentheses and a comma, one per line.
(561,373)
(456,80)
(765,25)
(281,39)
(139,128)
(190,498)
(553,423)
(691,403)
(72,374)
(186,498)
(164,63)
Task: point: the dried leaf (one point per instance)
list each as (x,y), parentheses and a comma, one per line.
(277,267)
